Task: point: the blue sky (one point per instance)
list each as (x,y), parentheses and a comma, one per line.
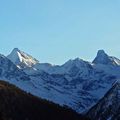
(57,30)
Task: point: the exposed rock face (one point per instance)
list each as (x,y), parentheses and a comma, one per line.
(108,108)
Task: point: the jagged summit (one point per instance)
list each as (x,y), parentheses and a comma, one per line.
(104,58)
(101,57)
(21,59)
(101,53)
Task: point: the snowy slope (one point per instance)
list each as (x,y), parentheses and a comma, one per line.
(77,83)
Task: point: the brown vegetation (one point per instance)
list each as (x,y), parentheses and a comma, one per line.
(18,105)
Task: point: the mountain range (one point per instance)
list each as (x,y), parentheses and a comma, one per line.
(78,84)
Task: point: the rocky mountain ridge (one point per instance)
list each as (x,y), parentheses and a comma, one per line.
(78,84)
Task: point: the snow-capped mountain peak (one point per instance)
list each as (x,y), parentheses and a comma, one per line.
(103,58)
(77,83)
(15,56)
(21,59)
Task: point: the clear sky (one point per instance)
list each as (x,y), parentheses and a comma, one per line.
(57,30)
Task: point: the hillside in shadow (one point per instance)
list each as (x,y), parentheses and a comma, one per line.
(16,104)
